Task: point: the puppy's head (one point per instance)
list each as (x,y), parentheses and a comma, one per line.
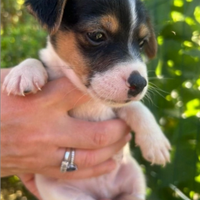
(102,41)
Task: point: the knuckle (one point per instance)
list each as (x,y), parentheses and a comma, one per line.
(100,138)
(88,160)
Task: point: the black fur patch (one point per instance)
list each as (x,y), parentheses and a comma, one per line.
(77,18)
(48,12)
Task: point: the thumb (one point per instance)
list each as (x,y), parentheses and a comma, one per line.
(29,181)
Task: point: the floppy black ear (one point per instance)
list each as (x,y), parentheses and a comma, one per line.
(151,46)
(48,12)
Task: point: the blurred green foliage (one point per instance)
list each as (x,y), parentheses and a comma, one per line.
(21,34)
(174,91)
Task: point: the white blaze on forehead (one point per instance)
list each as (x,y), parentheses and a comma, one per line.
(133,12)
(133,17)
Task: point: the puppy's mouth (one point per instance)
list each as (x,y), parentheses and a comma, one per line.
(106,100)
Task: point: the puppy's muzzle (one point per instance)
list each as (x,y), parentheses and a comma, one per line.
(136,84)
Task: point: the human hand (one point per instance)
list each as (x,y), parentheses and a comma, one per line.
(36,131)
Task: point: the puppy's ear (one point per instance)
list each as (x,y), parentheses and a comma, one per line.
(48,12)
(151,46)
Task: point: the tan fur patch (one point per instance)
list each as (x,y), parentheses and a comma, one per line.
(143,31)
(66,48)
(151,46)
(110,23)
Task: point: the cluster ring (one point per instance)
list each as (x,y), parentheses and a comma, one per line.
(67,164)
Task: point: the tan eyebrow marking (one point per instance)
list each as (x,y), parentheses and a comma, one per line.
(110,23)
(143,31)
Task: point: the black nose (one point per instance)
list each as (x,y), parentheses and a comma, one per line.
(136,84)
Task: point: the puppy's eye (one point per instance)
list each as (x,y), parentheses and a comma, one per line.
(141,43)
(96,37)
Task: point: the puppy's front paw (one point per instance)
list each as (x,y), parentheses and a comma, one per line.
(155,147)
(28,77)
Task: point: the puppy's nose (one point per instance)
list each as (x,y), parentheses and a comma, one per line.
(136,83)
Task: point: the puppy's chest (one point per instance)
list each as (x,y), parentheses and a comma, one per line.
(93,111)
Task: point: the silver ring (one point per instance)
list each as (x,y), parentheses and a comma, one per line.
(71,166)
(67,155)
(65,162)
(67,165)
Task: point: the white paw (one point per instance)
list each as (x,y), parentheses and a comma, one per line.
(155,147)
(27,77)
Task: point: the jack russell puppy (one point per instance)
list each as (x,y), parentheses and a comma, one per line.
(97,44)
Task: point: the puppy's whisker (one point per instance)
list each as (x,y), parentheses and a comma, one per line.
(158,78)
(70,91)
(149,99)
(154,90)
(157,90)
(151,71)
(155,87)
(79,99)
(153,78)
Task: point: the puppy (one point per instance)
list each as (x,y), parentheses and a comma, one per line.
(98,45)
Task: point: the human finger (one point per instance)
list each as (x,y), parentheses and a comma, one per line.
(95,171)
(29,181)
(88,135)
(54,172)
(52,157)
(88,158)
(85,158)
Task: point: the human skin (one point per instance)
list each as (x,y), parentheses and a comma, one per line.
(36,130)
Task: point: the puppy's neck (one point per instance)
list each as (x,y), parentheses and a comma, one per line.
(57,68)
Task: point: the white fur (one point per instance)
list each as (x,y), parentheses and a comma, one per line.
(133,23)
(132,4)
(25,77)
(112,85)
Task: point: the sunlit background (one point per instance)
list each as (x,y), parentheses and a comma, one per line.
(173,97)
